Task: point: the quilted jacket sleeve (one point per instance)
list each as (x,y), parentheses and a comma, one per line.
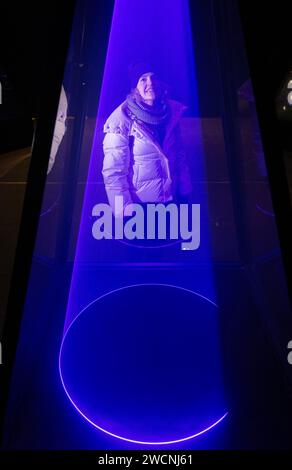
(116,164)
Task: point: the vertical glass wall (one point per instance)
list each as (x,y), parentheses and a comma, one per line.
(150,330)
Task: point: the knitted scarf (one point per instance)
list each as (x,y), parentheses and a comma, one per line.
(153,115)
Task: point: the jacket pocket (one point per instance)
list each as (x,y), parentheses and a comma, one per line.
(148,171)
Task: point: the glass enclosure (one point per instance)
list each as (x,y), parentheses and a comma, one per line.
(175,339)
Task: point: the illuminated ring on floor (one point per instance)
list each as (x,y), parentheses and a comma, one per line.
(55,204)
(265,211)
(203,431)
(165,245)
(132,245)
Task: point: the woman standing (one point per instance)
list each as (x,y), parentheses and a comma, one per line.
(143,155)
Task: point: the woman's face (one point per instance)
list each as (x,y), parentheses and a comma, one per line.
(148,87)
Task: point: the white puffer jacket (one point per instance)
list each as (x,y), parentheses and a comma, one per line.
(137,167)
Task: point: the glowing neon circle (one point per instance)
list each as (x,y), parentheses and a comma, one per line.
(205,427)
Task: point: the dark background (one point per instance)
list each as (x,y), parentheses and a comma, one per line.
(27,32)
(267,34)
(24,42)
(33,39)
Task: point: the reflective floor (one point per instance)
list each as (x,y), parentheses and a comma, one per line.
(254,327)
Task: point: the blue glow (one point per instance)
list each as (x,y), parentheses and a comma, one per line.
(141,442)
(104,271)
(175,33)
(139,385)
(168,29)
